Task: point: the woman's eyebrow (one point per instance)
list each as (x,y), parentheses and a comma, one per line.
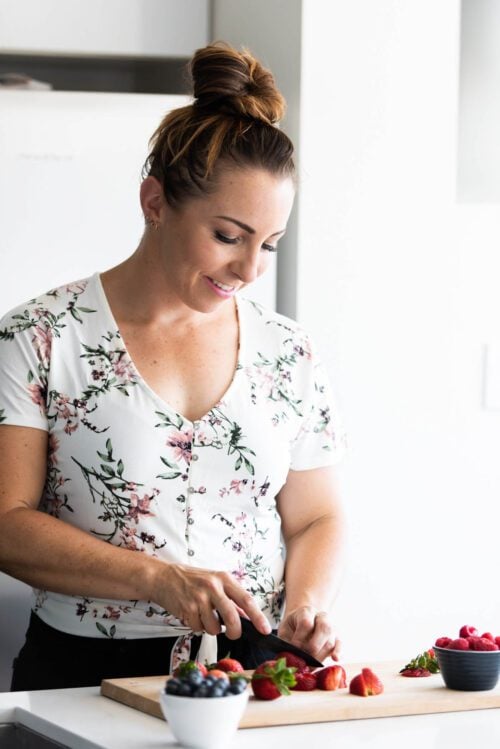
(247,228)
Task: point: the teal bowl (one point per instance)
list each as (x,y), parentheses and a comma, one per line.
(469,670)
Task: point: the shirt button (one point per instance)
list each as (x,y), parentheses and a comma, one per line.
(196,424)
(191,490)
(194,457)
(190,521)
(190,553)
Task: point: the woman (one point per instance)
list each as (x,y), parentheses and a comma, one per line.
(180,437)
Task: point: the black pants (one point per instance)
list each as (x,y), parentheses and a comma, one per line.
(51,659)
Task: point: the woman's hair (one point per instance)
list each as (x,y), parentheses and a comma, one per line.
(232,122)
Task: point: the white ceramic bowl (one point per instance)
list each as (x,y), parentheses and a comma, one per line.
(204,722)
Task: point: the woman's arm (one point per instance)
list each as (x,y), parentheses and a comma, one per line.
(47,553)
(313,529)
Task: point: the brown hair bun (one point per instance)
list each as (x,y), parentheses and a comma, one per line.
(231,122)
(236,83)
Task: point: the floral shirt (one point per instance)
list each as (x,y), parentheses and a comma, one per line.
(123,466)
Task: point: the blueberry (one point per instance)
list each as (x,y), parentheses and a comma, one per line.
(210,679)
(172,686)
(194,677)
(218,691)
(238,686)
(184,689)
(201,691)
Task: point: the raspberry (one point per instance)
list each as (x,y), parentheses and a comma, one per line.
(467,631)
(459,644)
(497,640)
(472,642)
(442,642)
(488,636)
(483,643)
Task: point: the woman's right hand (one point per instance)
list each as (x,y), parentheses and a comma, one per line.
(203,599)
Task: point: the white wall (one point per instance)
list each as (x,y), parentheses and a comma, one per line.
(404,283)
(272,29)
(397,281)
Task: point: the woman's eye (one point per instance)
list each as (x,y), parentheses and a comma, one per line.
(224,238)
(269,248)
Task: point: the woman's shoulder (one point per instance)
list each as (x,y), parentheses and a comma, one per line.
(273,326)
(52,308)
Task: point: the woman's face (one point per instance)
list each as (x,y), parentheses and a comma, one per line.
(216,245)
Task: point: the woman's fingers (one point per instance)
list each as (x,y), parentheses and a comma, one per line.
(205,599)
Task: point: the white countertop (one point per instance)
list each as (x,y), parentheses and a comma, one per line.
(82,719)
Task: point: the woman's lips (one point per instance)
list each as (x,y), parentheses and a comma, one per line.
(220,292)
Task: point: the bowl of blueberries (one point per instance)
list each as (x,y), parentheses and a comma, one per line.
(203,708)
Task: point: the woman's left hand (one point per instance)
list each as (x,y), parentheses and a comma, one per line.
(312,631)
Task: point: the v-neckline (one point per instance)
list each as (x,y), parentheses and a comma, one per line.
(143,383)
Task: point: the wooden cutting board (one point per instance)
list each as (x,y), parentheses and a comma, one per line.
(401,696)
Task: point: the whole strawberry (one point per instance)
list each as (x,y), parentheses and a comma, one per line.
(272,679)
(185,668)
(230,665)
(293,661)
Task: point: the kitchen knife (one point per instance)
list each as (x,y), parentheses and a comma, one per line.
(273,644)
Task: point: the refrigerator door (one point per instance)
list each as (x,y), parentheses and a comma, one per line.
(70,171)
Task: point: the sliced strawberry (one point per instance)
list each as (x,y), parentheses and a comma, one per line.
(330,678)
(306,681)
(366,684)
(415,672)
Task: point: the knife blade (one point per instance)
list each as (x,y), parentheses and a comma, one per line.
(273,643)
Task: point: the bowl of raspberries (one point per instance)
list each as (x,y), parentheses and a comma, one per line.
(204,706)
(469,662)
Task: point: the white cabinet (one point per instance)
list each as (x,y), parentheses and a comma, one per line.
(151,28)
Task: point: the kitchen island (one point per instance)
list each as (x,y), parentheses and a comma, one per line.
(83,719)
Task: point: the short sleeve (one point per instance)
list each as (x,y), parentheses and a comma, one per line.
(24,364)
(321,439)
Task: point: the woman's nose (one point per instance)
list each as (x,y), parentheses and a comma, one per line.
(249,266)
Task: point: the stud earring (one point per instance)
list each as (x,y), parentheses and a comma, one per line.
(150,222)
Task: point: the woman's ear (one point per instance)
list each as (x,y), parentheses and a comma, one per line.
(152,200)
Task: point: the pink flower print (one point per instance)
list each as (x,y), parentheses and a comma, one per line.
(111,613)
(236,486)
(241,518)
(181,443)
(131,486)
(70,427)
(76,288)
(62,407)
(37,393)
(239,574)
(302,350)
(123,367)
(52,449)
(139,506)
(129,539)
(42,341)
